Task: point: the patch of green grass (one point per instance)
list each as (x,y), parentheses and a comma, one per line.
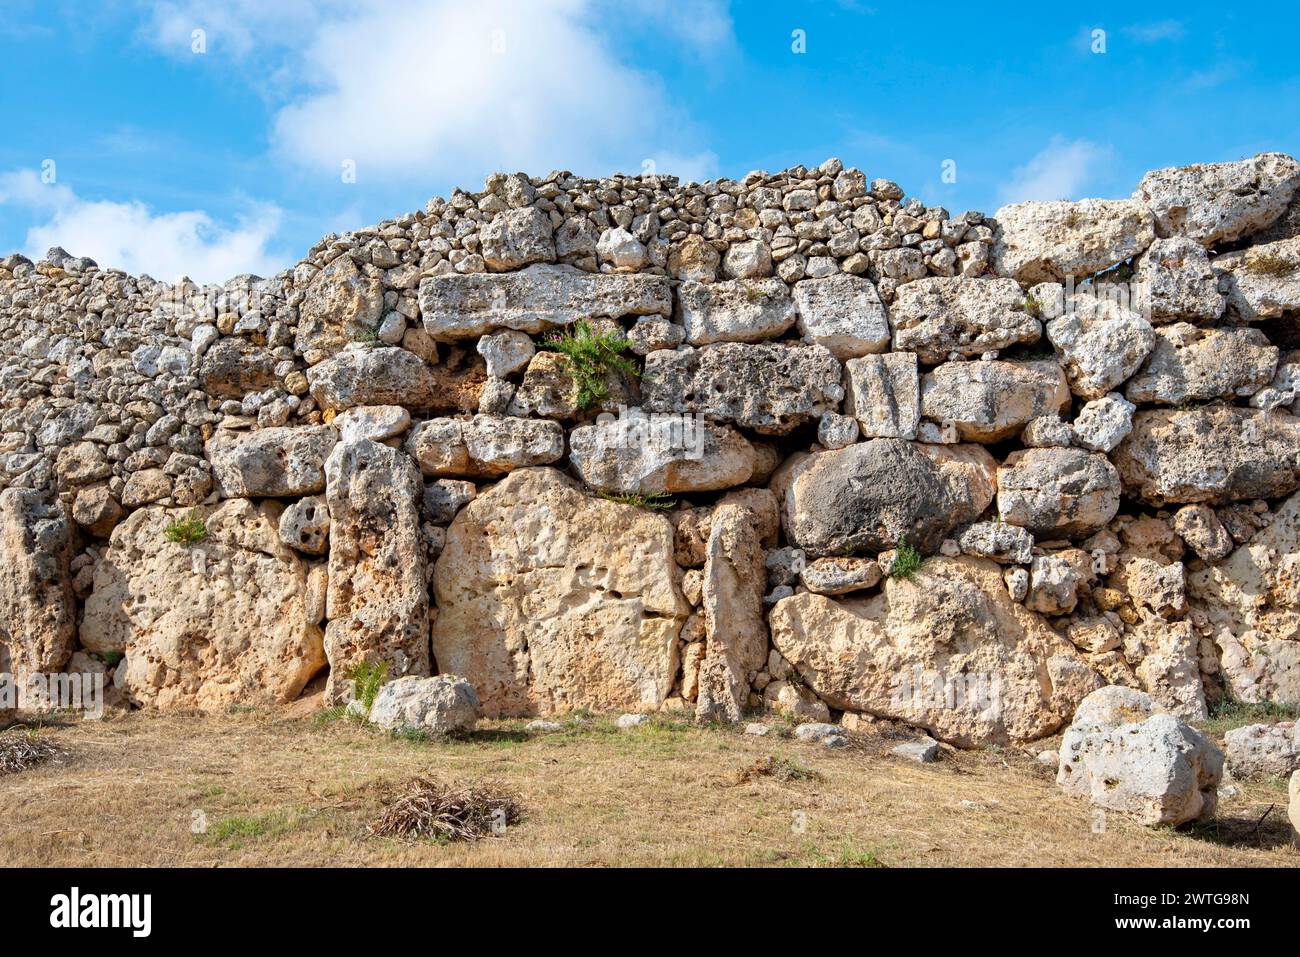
(321,718)
(367,678)
(411,735)
(907,561)
(1228,713)
(369,337)
(851,854)
(589,357)
(188,532)
(655,501)
(1033,306)
(1268,264)
(236,829)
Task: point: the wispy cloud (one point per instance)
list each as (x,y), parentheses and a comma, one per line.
(132,237)
(1061,170)
(1155,32)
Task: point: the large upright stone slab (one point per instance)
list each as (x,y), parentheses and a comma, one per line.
(771,388)
(378,598)
(535,299)
(206,626)
(735,578)
(340,304)
(550,599)
(884,395)
(38,612)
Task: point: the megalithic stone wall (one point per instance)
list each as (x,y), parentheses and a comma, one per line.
(838,451)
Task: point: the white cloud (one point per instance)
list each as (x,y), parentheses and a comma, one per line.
(449,90)
(1154,32)
(129,236)
(1062,170)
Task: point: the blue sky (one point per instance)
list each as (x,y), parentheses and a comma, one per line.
(133,139)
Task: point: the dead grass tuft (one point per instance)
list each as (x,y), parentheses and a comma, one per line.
(23,749)
(771,766)
(422,809)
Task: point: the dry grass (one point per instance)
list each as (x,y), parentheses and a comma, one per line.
(21,749)
(421,810)
(266,789)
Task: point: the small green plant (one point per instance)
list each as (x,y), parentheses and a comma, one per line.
(1229,712)
(1072,219)
(589,357)
(906,561)
(369,337)
(367,678)
(756,293)
(1270,265)
(111,658)
(189,531)
(321,718)
(1033,306)
(655,501)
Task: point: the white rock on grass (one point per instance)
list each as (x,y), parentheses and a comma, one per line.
(1258,750)
(626,721)
(436,705)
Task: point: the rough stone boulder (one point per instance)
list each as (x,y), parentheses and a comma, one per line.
(339,305)
(390,375)
(378,598)
(939,316)
(38,612)
(770,388)
(1262,282)
(1191,365)
(435,705)
(550,390)
(871,496)
(1057,492)
(884,395)
(1213,454)
(1252,603)
(1179,283)
(946,650)
(748,310)
(735,633)
(843,313)
(1048,241)
(484,446)
(225,621)
(1101,341)
(652,455)
(991,401)
(1220,202)
(532,300)
(271,462)
(550,599)
(1125,755)
(1260,750)
(516,238)
(233,367)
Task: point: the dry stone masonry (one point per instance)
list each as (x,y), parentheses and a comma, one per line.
(1081,415)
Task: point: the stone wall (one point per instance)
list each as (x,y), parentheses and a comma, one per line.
(1079,413)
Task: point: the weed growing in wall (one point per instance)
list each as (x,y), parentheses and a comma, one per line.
(189,531)
(589,357)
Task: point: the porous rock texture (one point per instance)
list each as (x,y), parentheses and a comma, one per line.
(1079,417)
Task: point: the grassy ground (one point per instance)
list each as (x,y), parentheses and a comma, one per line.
(271,789)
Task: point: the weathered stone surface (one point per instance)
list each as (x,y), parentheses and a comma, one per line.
(233,367)
(38,612)
(437,705)
(534,299)
(1170,667)
(378,599)
(1217,202)
(751,259)
(305,525)
(937,317)
(484,446)
(389,375)
(991,401)
(1179,283)
(1200,528)
(769,388)
(506,352)
(843,313)
(695,259)
(735,311)
(1252,603)
(223,622)
(274,462)
(1125,755)
(96,510)
(1191,364)
(1057,492)
(1213,454)
(443,498)
(516,238)
(1293,807)
(549,389)
(1260,750)
(884,395)
(550,600)
(840,576)
(1102,424)
(870,496)
(649,455)
(1053,585)
(1101,342)
(735,632)
(340,304)
(1048,241)
(997,540)
(374,422)
(835,431)
(1262,282)
(946,650)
